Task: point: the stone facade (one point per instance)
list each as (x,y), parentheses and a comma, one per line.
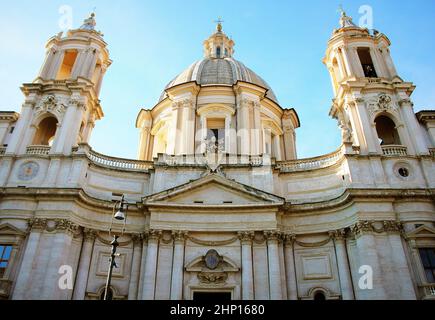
(218,201)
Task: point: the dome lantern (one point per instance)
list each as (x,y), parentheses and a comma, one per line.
(218,45)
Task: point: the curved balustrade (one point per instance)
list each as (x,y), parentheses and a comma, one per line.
(394,150)
(118,163)
(310,163)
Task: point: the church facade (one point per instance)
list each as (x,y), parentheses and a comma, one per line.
(218,204)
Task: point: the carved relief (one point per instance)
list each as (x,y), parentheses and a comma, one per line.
(212,268)
(366,226)
(382,103)
(216,278)
(52,105)
(28,171)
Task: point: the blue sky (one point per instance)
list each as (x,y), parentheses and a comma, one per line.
(152,41)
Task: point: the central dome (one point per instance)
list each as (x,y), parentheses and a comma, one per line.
(218,67)
(220,71)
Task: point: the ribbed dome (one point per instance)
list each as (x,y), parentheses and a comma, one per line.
(223,71)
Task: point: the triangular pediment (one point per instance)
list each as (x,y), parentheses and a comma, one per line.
(422,232)
(8,229)
(213,190)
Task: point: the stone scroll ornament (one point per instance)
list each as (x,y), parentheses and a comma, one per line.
(52,105)
(382,103)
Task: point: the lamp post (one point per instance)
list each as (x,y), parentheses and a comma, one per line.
(120,215)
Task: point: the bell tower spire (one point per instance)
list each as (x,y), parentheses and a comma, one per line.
(62,103)
(371,102)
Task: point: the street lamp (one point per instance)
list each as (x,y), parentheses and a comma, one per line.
(121,215)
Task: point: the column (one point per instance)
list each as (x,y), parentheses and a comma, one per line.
(343,264)
(403,274)
(292,289)
(255,129)
(247,274)
(25,271)
(77,64)
(367,129)
(389,62)
(413,126)
(55,65)
(188,127)
(274,267)
(356,63)
(243,126)
(149,280)
(59,255)
(142,264)
(347,62)
(81,282)
(277,147)
(368,255)
(47,62)
(178,265)
(135,267)
(173,139)
(20,129)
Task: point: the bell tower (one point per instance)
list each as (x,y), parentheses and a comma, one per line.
(62,104)
(371,102)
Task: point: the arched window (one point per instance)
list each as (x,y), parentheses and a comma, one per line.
(320,296)
(367,62)
(387,131)
(218,52)
(46,131)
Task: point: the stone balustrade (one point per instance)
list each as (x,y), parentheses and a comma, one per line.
(2,150)
(118,163)
(211,158)
(310,163)
(394,150)
(428,290)
(38,150)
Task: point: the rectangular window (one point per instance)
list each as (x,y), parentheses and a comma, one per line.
(216,129)
(5,255)
(367,62)
(427,256)
(65,69)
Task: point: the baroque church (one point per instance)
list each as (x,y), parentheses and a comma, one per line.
(218,205)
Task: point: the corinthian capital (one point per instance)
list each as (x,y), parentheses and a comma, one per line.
(338,234)
(179,235)
(245,236)
(89,234)
(273,235)
(37,224)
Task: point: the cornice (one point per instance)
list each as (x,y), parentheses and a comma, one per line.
(352,195)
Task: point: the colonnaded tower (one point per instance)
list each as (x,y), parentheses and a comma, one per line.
(218,205)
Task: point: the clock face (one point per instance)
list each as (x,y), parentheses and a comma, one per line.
(28,171)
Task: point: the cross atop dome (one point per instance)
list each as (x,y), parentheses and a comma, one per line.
(219,24)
